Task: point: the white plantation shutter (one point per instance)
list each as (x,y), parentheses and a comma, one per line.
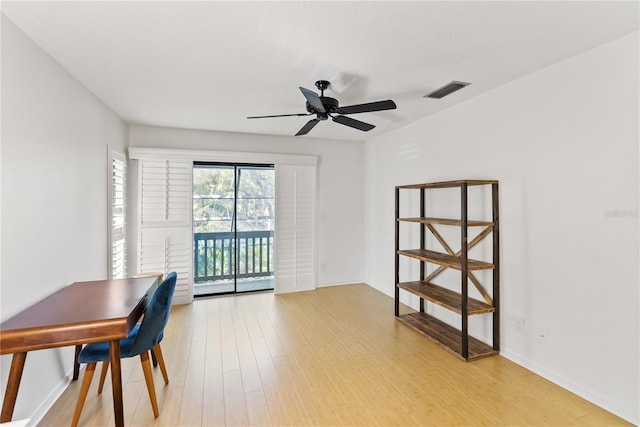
(165,214)
(166,192)
(295,224)
(117,209)
(166,249)
(165,239)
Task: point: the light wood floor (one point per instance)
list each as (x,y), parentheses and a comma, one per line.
(331,357)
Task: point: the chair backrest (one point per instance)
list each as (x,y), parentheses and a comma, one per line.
(155,317)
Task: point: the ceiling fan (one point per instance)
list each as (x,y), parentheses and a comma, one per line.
(324,107)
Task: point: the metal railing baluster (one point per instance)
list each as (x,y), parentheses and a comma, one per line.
(214,248)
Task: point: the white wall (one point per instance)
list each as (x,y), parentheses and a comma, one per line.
(564,144)
(339,189)
(54,196)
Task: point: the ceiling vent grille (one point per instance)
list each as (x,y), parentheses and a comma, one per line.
(447,89)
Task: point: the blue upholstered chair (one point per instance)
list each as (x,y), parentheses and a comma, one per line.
(144,337)
(155,359)
(105,365)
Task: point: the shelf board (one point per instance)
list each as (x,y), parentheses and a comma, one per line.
(446,221)
(445,260)
(446,336)
(449,184)
(445,297)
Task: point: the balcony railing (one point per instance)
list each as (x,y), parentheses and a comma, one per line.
(213,255)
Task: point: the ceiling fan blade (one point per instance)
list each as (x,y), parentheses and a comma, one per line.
(313,99)
(369,107)
(306,128)
(279,115)
(348,121)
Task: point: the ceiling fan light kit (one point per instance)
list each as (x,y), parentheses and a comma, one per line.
(447,89)
(324,107)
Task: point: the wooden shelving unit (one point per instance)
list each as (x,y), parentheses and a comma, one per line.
(456,341)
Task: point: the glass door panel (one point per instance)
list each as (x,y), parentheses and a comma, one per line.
(233,226)
(255,226)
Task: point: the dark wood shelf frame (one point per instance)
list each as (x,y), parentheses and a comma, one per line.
(445,260)
(446,336)
(447,221)
(446,297)
(449,184)
(456,341)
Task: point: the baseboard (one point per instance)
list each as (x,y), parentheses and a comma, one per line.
(576,388)
(184,299)
(327,285)
(44,407)
(17,423)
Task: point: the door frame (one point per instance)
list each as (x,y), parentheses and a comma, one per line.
(237,167)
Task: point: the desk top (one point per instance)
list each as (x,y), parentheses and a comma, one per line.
(82,312)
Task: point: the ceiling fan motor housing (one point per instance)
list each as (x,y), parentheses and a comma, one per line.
(330,106)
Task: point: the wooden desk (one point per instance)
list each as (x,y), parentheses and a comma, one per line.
(81,313)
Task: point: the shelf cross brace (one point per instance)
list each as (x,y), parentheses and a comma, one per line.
(480,288)
(484,233)
(441,240)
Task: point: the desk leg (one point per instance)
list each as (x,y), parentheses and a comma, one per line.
(116,382)
(11,393)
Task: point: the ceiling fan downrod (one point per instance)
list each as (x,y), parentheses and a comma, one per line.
(322,85)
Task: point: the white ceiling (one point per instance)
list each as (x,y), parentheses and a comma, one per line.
(208,65)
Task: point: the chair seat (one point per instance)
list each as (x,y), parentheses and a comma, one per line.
(99,351)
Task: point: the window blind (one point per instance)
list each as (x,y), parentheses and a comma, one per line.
(165,239)
(117,215)
(294,242)
(166,192)
(166,249)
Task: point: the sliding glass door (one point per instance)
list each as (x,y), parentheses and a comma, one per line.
(233,227)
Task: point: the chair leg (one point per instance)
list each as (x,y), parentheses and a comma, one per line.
(84,389)
(76,365)
(148,377)
(154,361)
(103,375)
(158,352)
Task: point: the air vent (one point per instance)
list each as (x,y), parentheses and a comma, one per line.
(447,89)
